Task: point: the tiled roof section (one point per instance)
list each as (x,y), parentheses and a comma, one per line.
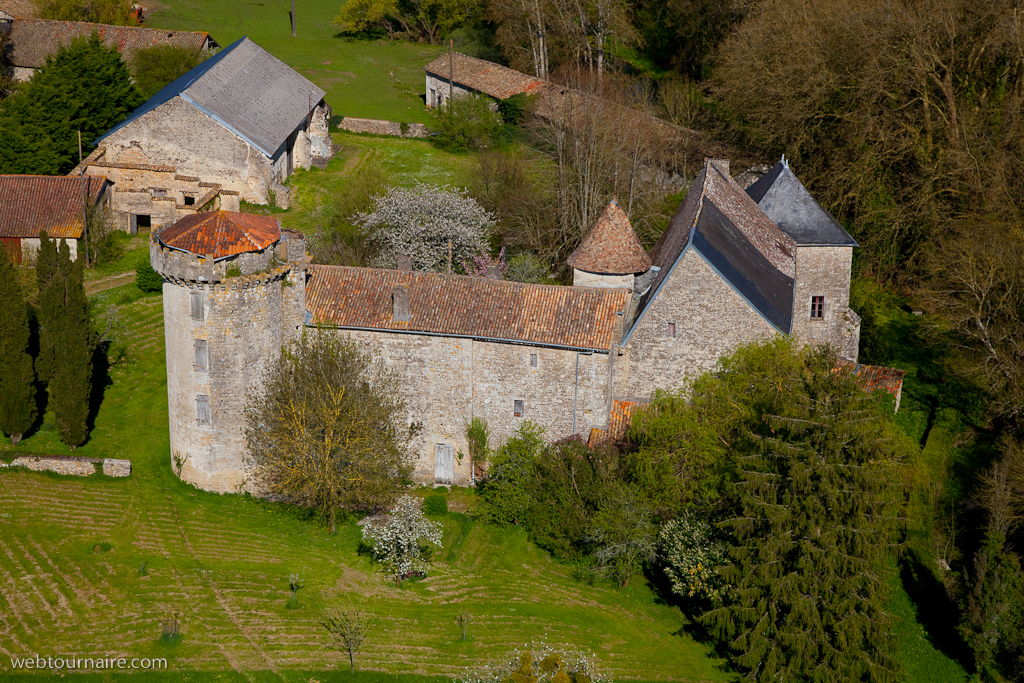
(19,8)
(245,89)
(877,378)
(221,233)
(30,203)
(459,305)
(787,202)
(611,246)
(33,40)
(487,77)
(619,421)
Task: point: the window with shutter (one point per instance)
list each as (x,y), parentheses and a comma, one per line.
(197,305)
(203,410)
(444,464)
(671,331)
(533,360)
(517,408)
(201,355)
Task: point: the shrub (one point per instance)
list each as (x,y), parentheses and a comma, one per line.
(147,279)
(397,539)
(467,123)
(692,554)
(154,67)
(528,267)
(540,662)
(435,504)
(505,493)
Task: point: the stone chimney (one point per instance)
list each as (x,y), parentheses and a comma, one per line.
(493,273)
(400,311)
(404,263)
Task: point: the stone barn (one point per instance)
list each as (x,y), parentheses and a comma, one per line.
(470,75)
(733,267)
(238,124)
(30,204)
(33,40)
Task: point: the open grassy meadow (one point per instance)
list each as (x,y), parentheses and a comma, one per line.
(363,78)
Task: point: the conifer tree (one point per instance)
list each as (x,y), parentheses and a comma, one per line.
(17,392)
(814,525)
(49,303)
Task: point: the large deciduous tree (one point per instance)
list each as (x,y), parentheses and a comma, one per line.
(83,87)
(17,389)
(427,19)
(116,12)
(815,520)
(325,429)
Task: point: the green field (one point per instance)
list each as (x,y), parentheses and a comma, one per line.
(362,78)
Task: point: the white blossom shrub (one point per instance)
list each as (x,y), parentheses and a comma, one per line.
(419,222)
(540,663)
(396,540)
(692,558)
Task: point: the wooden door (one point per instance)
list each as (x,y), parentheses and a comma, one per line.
(444,464)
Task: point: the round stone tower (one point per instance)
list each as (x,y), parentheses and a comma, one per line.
(233,293)
(610,255)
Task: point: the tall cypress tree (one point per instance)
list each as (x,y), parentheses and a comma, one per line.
(17,393)
(66,346)
(815,525)
(49,304)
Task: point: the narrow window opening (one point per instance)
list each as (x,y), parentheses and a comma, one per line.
(159,193)
(671,331)
(533,360)
(517,408)
(817,307)
(203,409)
(197,305)
(201,355)
(190,201)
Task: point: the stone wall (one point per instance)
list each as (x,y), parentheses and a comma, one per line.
(30,248)
(437,90)
(378,127)
(582,278)
(449,380)
(825,271)
(710,320)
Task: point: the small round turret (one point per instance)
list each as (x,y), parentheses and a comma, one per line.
(610,255)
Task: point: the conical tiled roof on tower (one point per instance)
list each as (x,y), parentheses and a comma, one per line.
(221,233)
(611,246)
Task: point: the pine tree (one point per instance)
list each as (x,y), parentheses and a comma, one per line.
(815,525)
(17,390)
(66,346)
(49,304)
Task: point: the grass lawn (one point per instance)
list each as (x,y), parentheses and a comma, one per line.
(222,562)
(365,79)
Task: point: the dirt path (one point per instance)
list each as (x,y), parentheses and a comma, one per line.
(94,286)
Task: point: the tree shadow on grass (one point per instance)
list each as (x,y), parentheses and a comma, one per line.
(100,381)
(936,612)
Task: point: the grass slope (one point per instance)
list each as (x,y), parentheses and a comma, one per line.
(222,562)
(362,78)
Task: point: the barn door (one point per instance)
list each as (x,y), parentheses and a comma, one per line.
(444,464)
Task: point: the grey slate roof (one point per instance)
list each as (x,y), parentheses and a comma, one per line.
(245,89)
(788,203)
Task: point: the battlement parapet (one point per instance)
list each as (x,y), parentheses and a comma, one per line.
(253,268)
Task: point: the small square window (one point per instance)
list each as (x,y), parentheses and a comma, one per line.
(671,331)
(817,307)
(517,408)
(203,409)
(190,201)
(201,355)
(533,360)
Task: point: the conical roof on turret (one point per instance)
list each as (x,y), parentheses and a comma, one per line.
(611,246)
(221,233)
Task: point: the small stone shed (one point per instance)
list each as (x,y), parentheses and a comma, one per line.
(30,204)
(33,40)
(240,122)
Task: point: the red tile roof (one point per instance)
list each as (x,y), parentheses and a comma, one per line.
(877,378)
(459,305)
(30,203)
(221,233)
(620,419)
(489,78)
(33,40)
(611,246)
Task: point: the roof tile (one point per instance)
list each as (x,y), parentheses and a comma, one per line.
(611,246)
(489,78)
(221,233)
(31,203)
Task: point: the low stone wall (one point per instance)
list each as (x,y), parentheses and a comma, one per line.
(378,127)
(69,464)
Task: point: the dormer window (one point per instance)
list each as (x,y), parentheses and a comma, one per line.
(817,308)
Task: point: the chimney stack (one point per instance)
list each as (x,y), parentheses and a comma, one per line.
(404,263)
(400,311)
(493,273)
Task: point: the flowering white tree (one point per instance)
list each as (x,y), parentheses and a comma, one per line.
(396,539)
(420,222)
(693,557)
(540,663)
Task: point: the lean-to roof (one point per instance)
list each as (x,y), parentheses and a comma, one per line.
(31,203)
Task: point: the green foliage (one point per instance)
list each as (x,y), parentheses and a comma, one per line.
(513,109)
(528,267)
(435,504)
(66,341)
(91,88)
(17,380)
(684,35)
(106,241)
(425,19)
(154,67)
(992,624)
(505,494)
(146,278)
(467,122)
(115,12)
(814,512)
(693,554)
(624,533)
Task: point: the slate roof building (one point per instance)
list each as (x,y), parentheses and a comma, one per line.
(33,40)
(30,204)
(232,128)
(576,360)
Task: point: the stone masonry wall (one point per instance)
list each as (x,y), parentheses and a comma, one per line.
(447,381)
(179,135)
(379,127)
(711,320)
(824,271)
(438,86)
